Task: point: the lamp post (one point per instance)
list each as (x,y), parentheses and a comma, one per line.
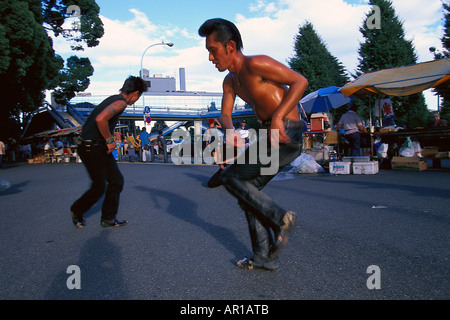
(169,44)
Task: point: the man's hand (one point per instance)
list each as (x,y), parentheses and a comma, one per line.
(233,138)
(277,133)
(111,147)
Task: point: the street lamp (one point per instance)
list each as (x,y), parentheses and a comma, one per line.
(169,44)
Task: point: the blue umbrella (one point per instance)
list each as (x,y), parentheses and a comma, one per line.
(323,100)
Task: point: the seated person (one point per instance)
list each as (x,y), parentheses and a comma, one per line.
(438,122)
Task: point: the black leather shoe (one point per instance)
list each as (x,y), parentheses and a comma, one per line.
(250,264)
(281,237)
(215,180)
(113,223)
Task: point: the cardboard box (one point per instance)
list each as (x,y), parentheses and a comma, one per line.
(331,137)
(441,155)
(340,167)
(307,142)
(365,167)
(429,152)
(408,163)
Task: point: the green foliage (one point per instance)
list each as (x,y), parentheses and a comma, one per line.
(159,125)
(386,48)
(29,65)
(90,29)
(313,60)
(444,90)
(74,78)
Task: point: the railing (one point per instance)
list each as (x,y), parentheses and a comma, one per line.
(172,110)
(76,114)
(63,123)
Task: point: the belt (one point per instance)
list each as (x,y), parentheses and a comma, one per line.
(267,123)
(91,142)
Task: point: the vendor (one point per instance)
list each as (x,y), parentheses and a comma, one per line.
(352,125)
(438,122)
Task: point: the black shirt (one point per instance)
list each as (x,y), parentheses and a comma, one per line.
(90,129)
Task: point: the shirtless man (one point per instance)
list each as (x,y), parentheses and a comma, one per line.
(273,90)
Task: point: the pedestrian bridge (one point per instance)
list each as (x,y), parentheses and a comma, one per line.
(72,117)
(172,113)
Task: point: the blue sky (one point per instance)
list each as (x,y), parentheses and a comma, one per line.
(267,27)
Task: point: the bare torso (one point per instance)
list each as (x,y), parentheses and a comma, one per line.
(263,95)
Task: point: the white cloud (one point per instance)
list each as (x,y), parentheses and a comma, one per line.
(270,31)
(331,19)
(338,22)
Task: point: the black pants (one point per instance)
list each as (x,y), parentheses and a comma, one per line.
(245,182)
(355,143)
(105,175)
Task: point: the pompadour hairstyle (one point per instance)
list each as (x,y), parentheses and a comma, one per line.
(224,29)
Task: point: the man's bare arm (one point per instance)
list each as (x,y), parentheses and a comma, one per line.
(228,98)
(103,118)
(271,70)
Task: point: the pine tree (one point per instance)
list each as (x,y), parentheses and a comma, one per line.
(313,60)
(444,90)
(384,48)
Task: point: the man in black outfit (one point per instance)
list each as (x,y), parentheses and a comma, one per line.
(95,147)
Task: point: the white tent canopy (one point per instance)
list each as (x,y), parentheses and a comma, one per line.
(400,81)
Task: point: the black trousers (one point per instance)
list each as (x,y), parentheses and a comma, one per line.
(355,143)
(245,182)
(105,175)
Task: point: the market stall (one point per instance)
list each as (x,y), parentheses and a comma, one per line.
(405,81)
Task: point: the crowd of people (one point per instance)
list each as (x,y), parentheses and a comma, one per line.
(138,147)
(133,148)
(13,151)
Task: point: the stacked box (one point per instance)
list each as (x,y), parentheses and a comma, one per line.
(408,163)
(445,154)
(429,152)
(356,159)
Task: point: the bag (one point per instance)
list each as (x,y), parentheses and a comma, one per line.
(382,150)
(306,163)
(410,149)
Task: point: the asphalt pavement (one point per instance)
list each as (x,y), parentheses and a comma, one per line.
(359,237)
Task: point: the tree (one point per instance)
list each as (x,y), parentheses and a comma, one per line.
(444,90)
(386,47)
(159,126)
(89,28)
(313,60)
(74,78)
(28,64)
